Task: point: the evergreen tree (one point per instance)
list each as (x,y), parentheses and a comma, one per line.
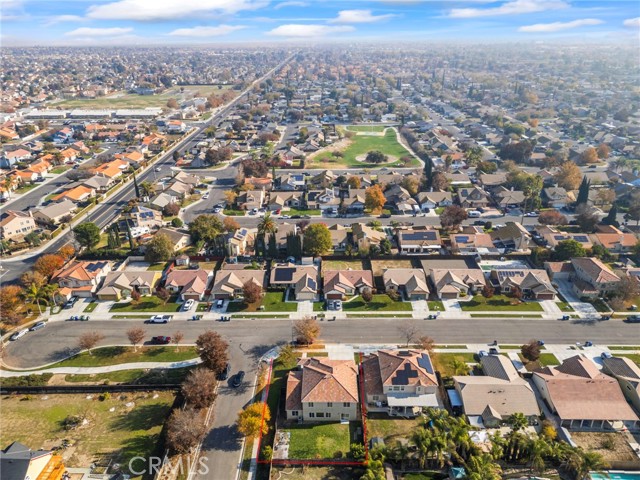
(273,247)
(583,192)
(130,237)
(428,172)
(135,185)
(611,218)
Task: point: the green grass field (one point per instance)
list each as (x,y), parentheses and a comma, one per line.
(319,440)
(379,303)
(91,307)
(366,128)
(117,436)
(499,303)
(117,355)
(154,376)
(147,304)
(443,362)
(360,145)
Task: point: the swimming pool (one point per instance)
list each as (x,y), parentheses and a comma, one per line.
(615,475)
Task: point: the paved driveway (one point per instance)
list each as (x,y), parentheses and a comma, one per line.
(585,310)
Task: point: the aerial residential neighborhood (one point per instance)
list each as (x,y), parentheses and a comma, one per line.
(320,240)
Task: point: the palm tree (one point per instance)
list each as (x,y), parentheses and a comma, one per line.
(517,421)
(267,225)
(538,451)
(459,366)
(35,293)
(483,467)
(588,462)
(400,453)
(146,189)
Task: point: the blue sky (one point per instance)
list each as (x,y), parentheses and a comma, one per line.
(131,22)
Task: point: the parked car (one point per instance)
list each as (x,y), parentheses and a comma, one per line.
(19,334)
(385,215)
(285,216)
(588,343)
(224,374)
(37,326)
(565,317)
(633,319)
(157,169)
(494,351)
(188,305)
(338,304)
(237,380)
(482,353)
(71,302)
(160,319)
(605,317)
(205,196)
(220,304)
(161,340)
(605,355)
(330,305)
(217,209)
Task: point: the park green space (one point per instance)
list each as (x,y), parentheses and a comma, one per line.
(118,427)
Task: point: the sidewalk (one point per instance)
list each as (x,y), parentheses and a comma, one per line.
(105,369)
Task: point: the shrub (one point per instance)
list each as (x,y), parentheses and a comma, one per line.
(104,396)
(357,451)
(267,453)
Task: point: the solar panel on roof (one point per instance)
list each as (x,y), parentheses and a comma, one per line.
(402,376)
(311,283)
(581,238)
(284,274)
(425,362)
(426,235)
(462,239)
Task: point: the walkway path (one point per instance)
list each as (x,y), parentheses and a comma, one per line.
(104,369)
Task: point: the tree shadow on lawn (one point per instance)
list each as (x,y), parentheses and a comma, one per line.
(257,351)
(141,417)
(140,447)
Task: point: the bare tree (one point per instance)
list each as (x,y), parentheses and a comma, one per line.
(306,330)
(408,330)
(531,350)
(89,340)
(135,336)
(427,343)
(185,430)
(199,388)
(177,338)
(213,351)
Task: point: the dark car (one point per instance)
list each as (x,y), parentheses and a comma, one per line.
(161,340)
(223,375)
(565,317)
(295,217)
(237,380)
(385,215)
(633,319)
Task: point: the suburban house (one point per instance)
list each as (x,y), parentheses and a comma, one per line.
(163,199)
(230,281)
(323,179)
(145,217)
(492,180)
(364,236)
(113,169)
(400,382)
(557,197)
(534,284)
(489,400)
(80,278)
(179,239)
(76,194)
(554,236)
(16,225)
(614,240)
(19,462)
(583,397)
(300,280)
(99,183)
(409,282)
(120,284)
(284,230)
(280,200)
(472,197)
(425,240)
(9,159)
(353,201)
(339,237)
(592,278)
(398,198)
(340,283)
(513,236)
(472,241)
(326,199)
(506,198)
(429,200)
(250,199)
(53,213)
(452,284)
(241,241)
(290,181)
(188,284)
(322,390)
(627,373)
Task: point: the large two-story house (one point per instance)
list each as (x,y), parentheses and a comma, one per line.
(80,278)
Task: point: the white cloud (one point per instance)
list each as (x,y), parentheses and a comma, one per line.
(206,31)
(292,3)
(632,22)
(359,16)
(98,32)
(557,26)
(149,10)
(63,18)
(12,10)
(301,31)
(514,7)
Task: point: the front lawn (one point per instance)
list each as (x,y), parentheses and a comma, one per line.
(234,213)
(59,170)
(302,211)
(564,306)
(444,362)
(435,305)
(148,304)
(100,357)
(634,357)
(318,440)
(157,267)
(545,360)
(379,303)
(318,306)
(498,302)
(600,306)
(272,302)
(118,427)
(91,307)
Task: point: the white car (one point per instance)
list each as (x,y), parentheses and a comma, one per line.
(217,209)
(532,214)
(19,334)
(160,319)
(205,196)
(188,305)
(157,169)
(285,216)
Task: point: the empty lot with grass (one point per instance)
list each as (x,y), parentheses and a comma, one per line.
(379,266)
(113,429)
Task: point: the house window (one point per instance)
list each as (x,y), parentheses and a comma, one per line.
(395,389)
(329,404)
(346,404)
(328,414)
(294,413)
(311,404)
(320,414)
(344,416)
(312,415)
(374,397)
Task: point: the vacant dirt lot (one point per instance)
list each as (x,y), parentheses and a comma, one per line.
(378,266)
(613,446)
